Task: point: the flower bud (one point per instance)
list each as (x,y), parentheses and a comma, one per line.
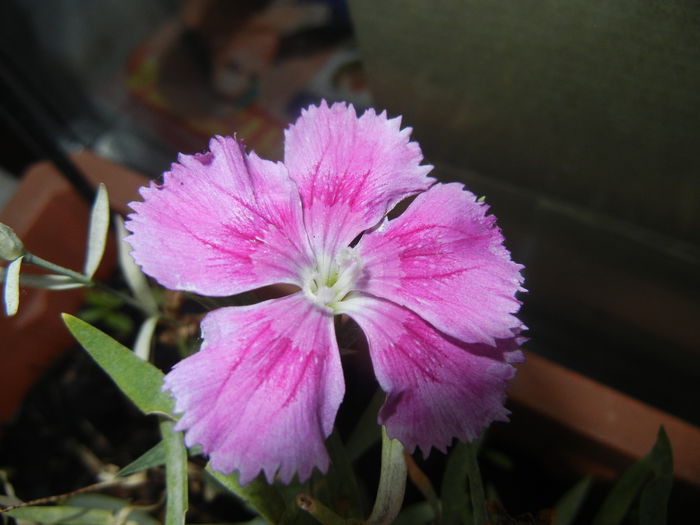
(11,247)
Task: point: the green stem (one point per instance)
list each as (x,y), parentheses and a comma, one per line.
(80,278)
(392,482)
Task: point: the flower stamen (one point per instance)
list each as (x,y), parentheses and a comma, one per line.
(331,279)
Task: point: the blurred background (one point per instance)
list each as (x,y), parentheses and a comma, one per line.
(579,122)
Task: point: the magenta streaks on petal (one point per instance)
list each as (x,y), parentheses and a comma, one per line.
(444,259)
(263,392)
(221,223)
(437,388)
(350,171)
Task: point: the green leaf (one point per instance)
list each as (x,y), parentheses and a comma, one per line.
(654,500)
(139,380)
(175,473)
(45,281)
(142,344)
(340,489)
(135,279)
(153,457)
(97,233)
(476,487)
(570,504)
(66,514)
(455,499)
(657,466)
(263,498)
(11,287)
(118,507)
(621,496)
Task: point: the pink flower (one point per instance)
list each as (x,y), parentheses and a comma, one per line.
(433,290)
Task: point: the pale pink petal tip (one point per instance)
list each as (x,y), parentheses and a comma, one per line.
(221,223)
(263,392)
(438,388)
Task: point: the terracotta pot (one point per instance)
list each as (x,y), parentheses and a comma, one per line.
(51,219)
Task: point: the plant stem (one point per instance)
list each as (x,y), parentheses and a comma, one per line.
(80,278)
(392,482)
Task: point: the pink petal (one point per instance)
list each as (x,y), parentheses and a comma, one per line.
(444,259)
(437,388)
(220,224)
(350,170)
(263,392)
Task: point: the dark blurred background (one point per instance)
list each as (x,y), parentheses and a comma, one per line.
(578,121)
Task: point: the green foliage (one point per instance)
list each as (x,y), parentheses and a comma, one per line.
(651,479)
(97,232)
(153,457)
(265,499)
(65,514)
(106,309)
(570,504)
(135,279)
(11,287)
(86,509)
(139,380)
(175,472)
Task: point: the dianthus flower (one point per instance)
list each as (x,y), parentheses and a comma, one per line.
(433,291)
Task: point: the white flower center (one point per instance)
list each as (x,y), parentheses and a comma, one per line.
(331,279)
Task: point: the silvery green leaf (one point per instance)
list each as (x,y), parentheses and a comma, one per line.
(66,515)
(11,246)
(46,281)
(142,345)
(11,288)
(49,282)
(124,511)
(97,235)
(134,276)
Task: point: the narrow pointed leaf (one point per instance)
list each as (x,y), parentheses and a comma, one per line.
(455,499)
(175,473)
(263,498)
(476,487)
(570,504)
(45,281)
(139,380)
(97,233)
(654,466)
(142,344)
(11,287)
(153,457)
(653,504)
(65,514)
(117,506)
(135,278)
(49,282)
